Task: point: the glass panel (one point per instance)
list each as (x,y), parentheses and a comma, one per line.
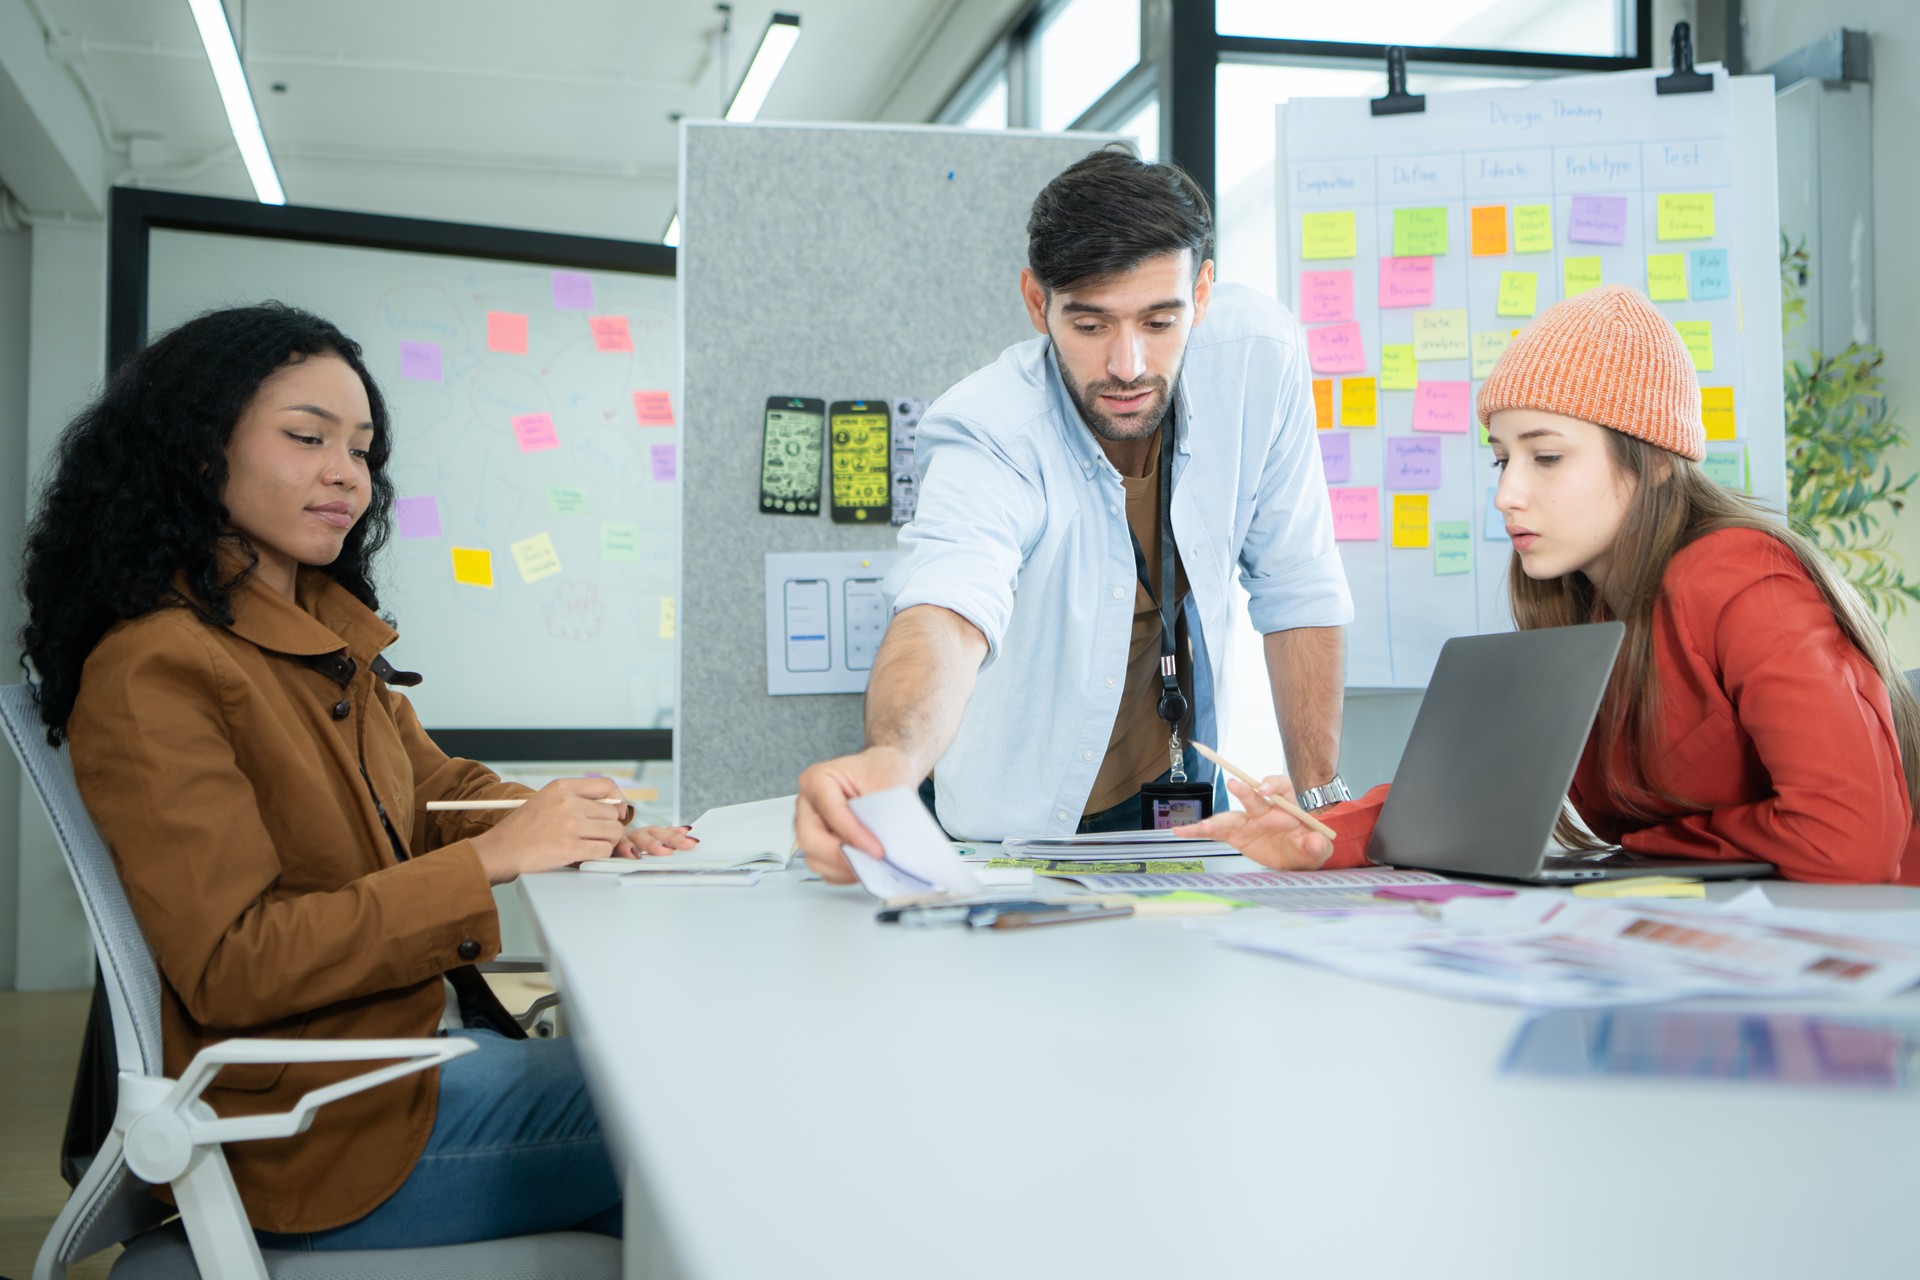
(1144,128)
(990,112)
(1538,26)
(1082,52)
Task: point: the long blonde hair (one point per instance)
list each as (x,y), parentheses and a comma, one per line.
(1675,503)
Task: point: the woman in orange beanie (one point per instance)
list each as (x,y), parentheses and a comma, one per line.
(1755,710)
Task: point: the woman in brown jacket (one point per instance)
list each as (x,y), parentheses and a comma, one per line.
(203,631)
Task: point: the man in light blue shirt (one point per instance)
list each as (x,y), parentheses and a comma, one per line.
(1030,657)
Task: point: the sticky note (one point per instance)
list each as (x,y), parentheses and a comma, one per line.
(507,332)
(620,543)
(653,408)
(417,517)
(664,462)
(1728,468)
(610,333)
(1581,274)
(1598,220)
(1441,335)
(1488,346)
(1709,275)
(1336,457)
(1412,464)
(565,501)
(1493,525)
(1356,514)
(1442,406)
(1667,277)
(420,361)
(1399,371)
(1716,412)
(1326,296)
(1336,348)
(473,566)
(572,291)
(666,617)
(1518,292)
(1323,403)
(536,556)
(1359,404)
(1488,224)
(1406,282)
(1643,887)
(1327,235)
(1684,216)
(1452,547)
(1410,528)
(1420,232)
(1532,228)
(535,432)
(1698,335)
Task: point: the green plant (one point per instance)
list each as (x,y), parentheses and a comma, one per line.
(1839,492)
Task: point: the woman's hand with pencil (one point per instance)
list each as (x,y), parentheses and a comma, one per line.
(1273,831)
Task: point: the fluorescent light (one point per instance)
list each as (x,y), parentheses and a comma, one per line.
(776,42)
(211,18)
(671,236)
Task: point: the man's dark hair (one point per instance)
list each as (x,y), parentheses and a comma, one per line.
(1109,213)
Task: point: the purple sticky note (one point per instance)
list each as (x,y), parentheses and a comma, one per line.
(1598,220)
(1336,348)
(1326,296)
(572,291)
(417,517)
(1438,892)
(1406,282)
(664,462)
(1413,464)
(420,361)
(1356,514)
(1336,456)
(1442,406)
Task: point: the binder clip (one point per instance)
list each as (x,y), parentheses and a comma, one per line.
(1398,101)
(1683,78)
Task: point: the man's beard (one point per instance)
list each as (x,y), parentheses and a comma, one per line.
(1085,399)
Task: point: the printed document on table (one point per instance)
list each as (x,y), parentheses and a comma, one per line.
(757,834)
(1350,890)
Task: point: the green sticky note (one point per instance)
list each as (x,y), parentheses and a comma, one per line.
(1452,547)
(1518,292)
(620,542)
(1328,235)
(1420,233)
(1581,275)
(1667,277)
(1532,228)
(1488,347)
(1698,335)
(563,501)
(1441,335)
(1728,467)
(1684,216)
(1399,371)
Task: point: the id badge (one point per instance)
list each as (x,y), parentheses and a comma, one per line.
(1174,804)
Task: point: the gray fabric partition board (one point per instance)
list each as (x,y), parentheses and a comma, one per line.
(836,262)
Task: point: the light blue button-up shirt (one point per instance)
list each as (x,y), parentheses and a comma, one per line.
(1021,528)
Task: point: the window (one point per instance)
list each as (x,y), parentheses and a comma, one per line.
(1084,49)
(1537,26)
(990,112)
(1143,126)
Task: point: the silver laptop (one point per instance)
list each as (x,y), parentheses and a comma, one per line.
(1492,753)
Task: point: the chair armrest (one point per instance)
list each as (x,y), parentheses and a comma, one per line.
(413,1055)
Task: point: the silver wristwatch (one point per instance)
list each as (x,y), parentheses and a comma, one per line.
(1333,791)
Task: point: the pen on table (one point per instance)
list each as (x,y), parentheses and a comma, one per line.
(475,806)
(1279,802)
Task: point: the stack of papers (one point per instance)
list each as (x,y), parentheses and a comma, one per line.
(732,837)
(1109,846)
(1341,891)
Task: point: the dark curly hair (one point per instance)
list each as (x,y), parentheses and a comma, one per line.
(135,498)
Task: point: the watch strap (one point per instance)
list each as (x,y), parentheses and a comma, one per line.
(1332,791)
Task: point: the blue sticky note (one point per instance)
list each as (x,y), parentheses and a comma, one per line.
(1495,528)
(1710,278)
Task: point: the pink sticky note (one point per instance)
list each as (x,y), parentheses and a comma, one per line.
(1356,514)
(663,462)
(572,291)
(1413,464)
(1336,348)
(535,432)
(417,517)
(1406,282)
(1438,892)
(610,333)
(653,408)
(1598,220)
(1336,456)
(1442,406)
(507,332)
(1326,296)
(420,361)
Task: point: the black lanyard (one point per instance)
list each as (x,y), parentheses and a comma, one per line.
(1173,703)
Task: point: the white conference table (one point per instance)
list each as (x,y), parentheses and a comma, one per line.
(797,1091)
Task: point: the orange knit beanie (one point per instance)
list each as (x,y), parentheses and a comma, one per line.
(1609,357)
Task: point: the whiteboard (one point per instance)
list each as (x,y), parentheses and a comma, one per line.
(577,632)
(1589,159)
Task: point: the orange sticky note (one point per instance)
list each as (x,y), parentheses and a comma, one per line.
(507,332)
(610,333)
(1489,230)
(1323,403)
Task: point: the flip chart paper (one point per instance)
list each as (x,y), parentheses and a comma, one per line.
(1452,547)
(620,543)
(1323,403)
(1359,405)
(1581,274)
(417,517)
(1326,296)
(1519,291)
(1412,464)
(572,291)
(1336,348)
(1336,457)
(1420,232)
(563,500)
(1698,335)
(610,333)
(1487,349)
(507,332)
(1356,514)
(1399,371)
(1533,228)
(1667,277)
(1598,220)
(1488,229)
(473,566)
(1410,527)
(420,361)
(536,557)
(535,432)
(1709,275)
(1441,335)
(653,408)
(664,462)
(1443,406)
(1406,282)
(1684,216)
(1327,235)
(1716,412)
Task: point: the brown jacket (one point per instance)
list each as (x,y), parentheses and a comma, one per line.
(239,774)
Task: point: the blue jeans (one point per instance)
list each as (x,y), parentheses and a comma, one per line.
(516,1149)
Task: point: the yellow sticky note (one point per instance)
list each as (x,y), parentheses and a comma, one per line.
(1488,227)
(1684,216)
(1323,403)
(1667,277)
(1410,525)
(1642,887)
(537,557)
(666,617)
(1358,403)
(1581,275)
(1487,349)
(1532,228)
(1420,233)
(1328,235)
(1716,410)
(1698,335)
(1519,291)
(473,566)
(1399,371)
(1441,335)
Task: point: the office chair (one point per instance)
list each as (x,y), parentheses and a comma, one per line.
(162,1132)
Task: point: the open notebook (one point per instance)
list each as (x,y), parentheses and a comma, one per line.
(732,837)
